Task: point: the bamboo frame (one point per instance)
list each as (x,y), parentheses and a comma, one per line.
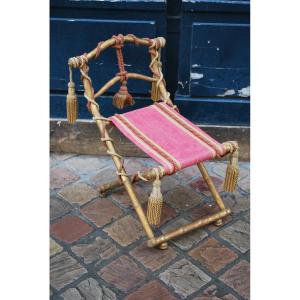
(124,179)
(116,79)
(187,228)
(211,185)
(110,42)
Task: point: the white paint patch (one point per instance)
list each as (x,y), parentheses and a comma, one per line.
(218,49)
(195,66)
(244,92)
(182,84)
(196,76)
(227,93)
(208,42)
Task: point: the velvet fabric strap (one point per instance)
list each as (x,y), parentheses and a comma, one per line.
(167,137)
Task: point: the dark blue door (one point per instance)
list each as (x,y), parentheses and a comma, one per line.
(214,62)
(206,61)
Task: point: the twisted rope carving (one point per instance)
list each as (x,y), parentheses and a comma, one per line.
(79,61)
(135,39)
(118,46)
(155,49)
(158,170)
(120,171)
(103,119)
(90,100)
(84,74)
(231,146)
(98,49)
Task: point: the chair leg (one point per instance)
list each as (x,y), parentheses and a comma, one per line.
(117,159)
(212,189)
(161,241)
(143,219)
(138,208)
(129,188)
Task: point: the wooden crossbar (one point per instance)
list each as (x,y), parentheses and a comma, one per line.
(187,228)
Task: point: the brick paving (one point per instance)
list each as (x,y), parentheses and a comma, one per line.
(98,248)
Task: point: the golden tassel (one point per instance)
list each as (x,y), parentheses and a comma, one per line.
(154,89)
(122,98)
(232,172)
(154,92)
(155,202)
(72,103)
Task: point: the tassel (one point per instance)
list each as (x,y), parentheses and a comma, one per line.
(122,98)
(232,172)
(155,202)
(154,92)
(72,103)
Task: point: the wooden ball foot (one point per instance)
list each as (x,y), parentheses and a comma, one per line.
(163,246)
(219,222)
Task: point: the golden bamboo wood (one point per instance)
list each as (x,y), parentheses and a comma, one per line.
(107,86)
(148,175)
(187,228)
(165,95)
(141,77)
(110,42)
(116,79)
(211,186)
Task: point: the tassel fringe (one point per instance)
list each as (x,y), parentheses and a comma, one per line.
(154,92)
(122,98)
(155,95)
(72,103)
(155,203)
(232,172)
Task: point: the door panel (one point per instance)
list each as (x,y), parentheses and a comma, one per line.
(220,57)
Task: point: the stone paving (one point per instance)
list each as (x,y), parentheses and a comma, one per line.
(98,248)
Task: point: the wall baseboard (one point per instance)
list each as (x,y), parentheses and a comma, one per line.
(83,138)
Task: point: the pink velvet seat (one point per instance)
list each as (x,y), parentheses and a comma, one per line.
(167,137)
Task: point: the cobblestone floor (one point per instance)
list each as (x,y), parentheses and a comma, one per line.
(97,246)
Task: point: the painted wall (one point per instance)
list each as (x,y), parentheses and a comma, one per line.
(206,62)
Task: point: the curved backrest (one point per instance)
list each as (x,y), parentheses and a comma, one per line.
(154,46)
(122,97)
